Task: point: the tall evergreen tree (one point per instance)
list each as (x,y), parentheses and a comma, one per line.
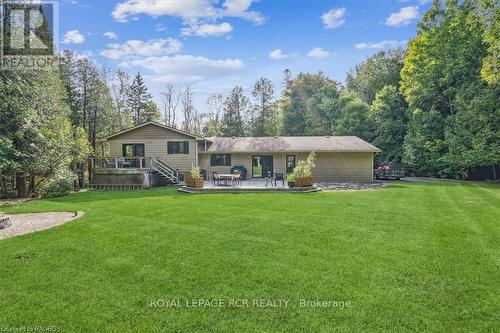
(138,99)
(264,112)
(235,106)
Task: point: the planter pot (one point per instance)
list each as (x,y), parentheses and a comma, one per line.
(193,182)
(291,184)
(304,181)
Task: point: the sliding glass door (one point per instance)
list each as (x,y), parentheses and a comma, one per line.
(262,166)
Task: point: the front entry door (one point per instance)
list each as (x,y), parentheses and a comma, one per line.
(262,165)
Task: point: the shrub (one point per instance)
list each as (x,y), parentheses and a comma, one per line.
(304,168)
(195,172)
(60,185)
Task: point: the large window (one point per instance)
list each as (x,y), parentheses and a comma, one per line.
(220,160)
(178,147)
(133,150)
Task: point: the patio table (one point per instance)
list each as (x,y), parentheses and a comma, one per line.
(226,177)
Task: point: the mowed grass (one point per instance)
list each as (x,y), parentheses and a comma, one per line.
(411,257)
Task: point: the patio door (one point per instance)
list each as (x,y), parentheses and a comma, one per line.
(262,165)
(133,151)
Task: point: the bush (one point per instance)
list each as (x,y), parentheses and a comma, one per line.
(304,168)
(195,172)
(58,186)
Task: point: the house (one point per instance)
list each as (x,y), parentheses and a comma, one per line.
(153,154)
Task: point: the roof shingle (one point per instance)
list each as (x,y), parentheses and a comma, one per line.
(290,144)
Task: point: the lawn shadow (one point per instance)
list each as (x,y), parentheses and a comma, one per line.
(102,195)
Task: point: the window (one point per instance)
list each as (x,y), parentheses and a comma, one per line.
(290,163)
(220,160)
(133,150)
(178,147)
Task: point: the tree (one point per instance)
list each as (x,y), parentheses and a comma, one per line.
(423,149)
(138,98)
(170,98)
(215,105)
(379,70)
(440,82)
(489,13)
(188,110)
(472,134)
(151,113)
(120,85)
(389,116)
(295,99)
(263,120)
(34,128)
(323,110)
(235,106)
(92,106)
(353,118)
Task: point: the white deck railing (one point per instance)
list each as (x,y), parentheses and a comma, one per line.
(121,162)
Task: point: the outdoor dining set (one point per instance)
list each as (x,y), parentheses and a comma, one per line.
(234,179)
(226,179)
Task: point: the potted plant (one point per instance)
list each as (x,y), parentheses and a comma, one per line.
(194,178)
(303,171)
(290,179)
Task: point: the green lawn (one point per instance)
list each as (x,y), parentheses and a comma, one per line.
(411,257)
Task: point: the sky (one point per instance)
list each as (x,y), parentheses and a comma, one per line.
(213,45)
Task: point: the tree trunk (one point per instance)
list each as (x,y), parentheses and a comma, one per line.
(31,186)
(81,176)
(21,185)
(494,173)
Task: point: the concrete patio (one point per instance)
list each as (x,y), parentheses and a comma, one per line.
(250,185)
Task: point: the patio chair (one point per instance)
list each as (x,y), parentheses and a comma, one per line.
(269,178)
(215,178)
(279,176)
(236,179)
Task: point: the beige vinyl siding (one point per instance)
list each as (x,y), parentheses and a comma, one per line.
(343,167)
(330,167)
(243,159)
(155,144)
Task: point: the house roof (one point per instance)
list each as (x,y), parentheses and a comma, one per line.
(291,144)
(155,124)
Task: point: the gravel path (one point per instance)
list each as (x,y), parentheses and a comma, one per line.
(352,186)
(21,224)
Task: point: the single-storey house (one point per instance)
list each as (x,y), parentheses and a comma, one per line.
(162,152)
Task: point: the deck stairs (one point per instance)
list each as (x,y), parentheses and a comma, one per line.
(164,170)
